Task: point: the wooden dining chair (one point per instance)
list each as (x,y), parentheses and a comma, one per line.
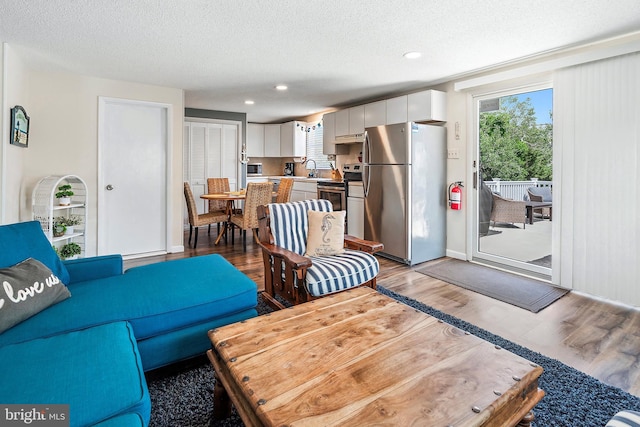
(284,190)
(198,220)
(217,185)
(258,194)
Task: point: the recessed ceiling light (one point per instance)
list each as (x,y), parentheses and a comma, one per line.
(282,87)
(249,102)
(412,55)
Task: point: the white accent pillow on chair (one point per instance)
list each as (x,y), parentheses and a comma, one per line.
(326,233)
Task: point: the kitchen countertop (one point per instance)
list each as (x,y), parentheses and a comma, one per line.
(300,178)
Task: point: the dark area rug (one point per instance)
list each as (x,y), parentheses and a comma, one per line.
(183,395)
(523,292)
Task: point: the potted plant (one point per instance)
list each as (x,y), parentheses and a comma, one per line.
(69,222)
(58,229)
(64,195)
(70,251)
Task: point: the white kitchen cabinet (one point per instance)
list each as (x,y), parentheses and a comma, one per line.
(427,106)
(342,122)
(303,190)
(293,139)
(255,140)
(356,119)
(329,133)
(329,136)
(397,110)
(355,210)
(375,114)
(272,140)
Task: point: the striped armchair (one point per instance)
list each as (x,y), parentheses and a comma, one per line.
(295,278)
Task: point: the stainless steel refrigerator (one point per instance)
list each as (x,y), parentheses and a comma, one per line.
(404,177)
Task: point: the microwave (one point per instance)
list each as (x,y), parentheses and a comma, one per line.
(254,169)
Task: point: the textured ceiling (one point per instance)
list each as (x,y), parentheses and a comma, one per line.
(329,53)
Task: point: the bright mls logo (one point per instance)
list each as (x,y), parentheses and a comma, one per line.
(36,415)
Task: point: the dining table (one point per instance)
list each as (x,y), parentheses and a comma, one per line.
(230,197)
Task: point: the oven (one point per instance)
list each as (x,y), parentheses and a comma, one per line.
(334,191)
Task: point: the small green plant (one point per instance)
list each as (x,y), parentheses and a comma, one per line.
(69,250)
(68,221)
(64,191)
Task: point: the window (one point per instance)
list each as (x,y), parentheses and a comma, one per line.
(314,146)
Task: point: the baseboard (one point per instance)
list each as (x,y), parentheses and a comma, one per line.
(176,249)
(457,255)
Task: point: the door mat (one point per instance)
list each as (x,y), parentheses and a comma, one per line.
(523,292)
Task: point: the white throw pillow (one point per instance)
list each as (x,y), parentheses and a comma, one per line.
(326,233)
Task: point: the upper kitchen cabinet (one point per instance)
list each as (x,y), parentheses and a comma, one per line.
(427,106)
(272,140)
(349,121)
(329,136)
(356,119)
(375,114)
(342,122)
(293,139)
(397,110)
(255,140)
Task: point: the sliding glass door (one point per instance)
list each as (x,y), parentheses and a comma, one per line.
(513,180)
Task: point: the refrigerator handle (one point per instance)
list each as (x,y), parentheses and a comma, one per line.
(365,179)
(366,147)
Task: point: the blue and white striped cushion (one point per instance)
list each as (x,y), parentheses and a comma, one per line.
(625,419)
(339,272)
(290,224)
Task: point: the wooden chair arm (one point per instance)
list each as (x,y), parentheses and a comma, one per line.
(352,242)
(292,259)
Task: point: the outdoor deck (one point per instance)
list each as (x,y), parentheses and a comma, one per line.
(532,243)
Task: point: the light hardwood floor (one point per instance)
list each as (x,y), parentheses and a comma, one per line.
(594,336)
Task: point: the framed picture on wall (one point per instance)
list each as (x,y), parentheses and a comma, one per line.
(19,127)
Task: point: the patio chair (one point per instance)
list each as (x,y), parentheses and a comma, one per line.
(509,211)
(217,185)
(287,235)
(258,193)
(284,190)
(198,220)
(541,194)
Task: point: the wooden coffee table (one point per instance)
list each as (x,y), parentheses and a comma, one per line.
(361,358)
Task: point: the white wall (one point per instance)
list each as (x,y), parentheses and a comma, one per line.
(64,134)
(15,92)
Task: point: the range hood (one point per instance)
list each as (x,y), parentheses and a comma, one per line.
(350,139)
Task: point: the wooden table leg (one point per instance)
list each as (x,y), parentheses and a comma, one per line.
(221,401)
(229,209)
(527,420)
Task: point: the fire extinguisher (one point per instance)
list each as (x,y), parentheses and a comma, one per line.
(455,195)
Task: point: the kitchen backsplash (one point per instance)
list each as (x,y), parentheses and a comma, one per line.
(272,166)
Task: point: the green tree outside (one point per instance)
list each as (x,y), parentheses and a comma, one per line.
(513,147)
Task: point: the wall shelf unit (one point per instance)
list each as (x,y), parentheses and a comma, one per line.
(46,209)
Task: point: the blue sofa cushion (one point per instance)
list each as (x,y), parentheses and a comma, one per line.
(97,371)
(126,420)
(27,288)
(152,298)
(24,240)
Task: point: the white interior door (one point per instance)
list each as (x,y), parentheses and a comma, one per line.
(132,184)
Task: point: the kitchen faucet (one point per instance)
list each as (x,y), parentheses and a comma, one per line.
(314,171)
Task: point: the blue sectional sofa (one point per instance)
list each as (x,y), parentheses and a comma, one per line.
(95,345)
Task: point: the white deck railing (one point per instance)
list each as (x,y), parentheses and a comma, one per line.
(515,190)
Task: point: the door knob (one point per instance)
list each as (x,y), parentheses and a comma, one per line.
(109,187)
